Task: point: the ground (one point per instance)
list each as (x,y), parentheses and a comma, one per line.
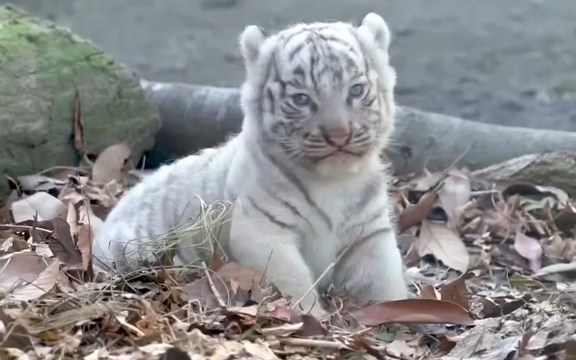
(512,64)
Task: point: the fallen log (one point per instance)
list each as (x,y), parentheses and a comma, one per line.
(194,117)
(556,169)
(62,97)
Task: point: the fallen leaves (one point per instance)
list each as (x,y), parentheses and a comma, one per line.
(27,276)
(529,248)
(445,244)
(420,311)
(112,164)
(492,261)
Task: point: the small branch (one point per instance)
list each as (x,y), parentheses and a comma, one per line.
(324,344)
(212,286)
(22,228)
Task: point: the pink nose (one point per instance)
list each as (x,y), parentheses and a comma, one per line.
(336,136)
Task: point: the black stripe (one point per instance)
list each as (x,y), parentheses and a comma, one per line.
(369,102)
(369,193)
(371,218)
(295,52)
(293,209)
(260,98)
(364,239)
(270,97)
(374,233)
(298,184)
(272,218)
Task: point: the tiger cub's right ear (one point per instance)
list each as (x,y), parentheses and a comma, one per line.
(251,40)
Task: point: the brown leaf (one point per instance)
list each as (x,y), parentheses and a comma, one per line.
(62,244)
(310,326)
(19,268)
(425,311)
(442,242)
(428,292)
(27,276)
(112,164)
(455,291)
(530,249)
(455,193)
(41,205)
(87,216)
(18,335)
(414,214)
(566,221)
(85,240)
(79,139)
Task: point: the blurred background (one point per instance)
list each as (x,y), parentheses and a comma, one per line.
(510,62)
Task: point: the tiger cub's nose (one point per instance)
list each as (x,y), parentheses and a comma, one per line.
(337,135)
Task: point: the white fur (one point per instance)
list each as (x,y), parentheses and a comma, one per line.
(241,171)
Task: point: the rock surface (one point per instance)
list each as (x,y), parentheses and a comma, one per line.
(41,67)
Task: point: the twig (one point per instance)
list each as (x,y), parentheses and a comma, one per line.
(325,344)
(212,286)
(71,168)
(22,228)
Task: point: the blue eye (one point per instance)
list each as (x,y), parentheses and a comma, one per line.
(356,90)
(301,99)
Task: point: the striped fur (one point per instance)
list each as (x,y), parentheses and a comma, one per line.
(304,173)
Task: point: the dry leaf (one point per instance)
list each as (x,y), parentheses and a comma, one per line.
(20,268)
(27,276)
(18,337)
(62,244)
(530,249)
(425,311)
(400,349)
(41,205)
(111,164)
(429,292)
(85,240)
(87,216)
(555,269)
(455,193)
(455,290)
(79,139)
(311,326)
(438,240)
(414,214)
(35,183)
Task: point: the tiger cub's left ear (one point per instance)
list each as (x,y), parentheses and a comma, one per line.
(251,40)
(377,27)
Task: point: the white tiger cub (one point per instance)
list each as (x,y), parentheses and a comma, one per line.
(304,173)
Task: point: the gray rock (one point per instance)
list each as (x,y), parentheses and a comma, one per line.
(41,67)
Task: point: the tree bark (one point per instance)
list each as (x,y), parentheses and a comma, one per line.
(195,117)
(551,169)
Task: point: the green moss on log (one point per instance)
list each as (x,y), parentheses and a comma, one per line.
(41,67)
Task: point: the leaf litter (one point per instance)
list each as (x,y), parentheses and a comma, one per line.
(492,266)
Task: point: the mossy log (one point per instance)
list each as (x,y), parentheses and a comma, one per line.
(42,66)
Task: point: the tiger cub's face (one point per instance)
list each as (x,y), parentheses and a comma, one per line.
(325,93)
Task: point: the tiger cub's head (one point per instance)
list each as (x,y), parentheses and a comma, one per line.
(320,94)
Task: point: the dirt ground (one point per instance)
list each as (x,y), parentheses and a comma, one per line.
(511,62)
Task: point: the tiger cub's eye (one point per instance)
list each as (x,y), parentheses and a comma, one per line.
(356,90)
(301,99)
